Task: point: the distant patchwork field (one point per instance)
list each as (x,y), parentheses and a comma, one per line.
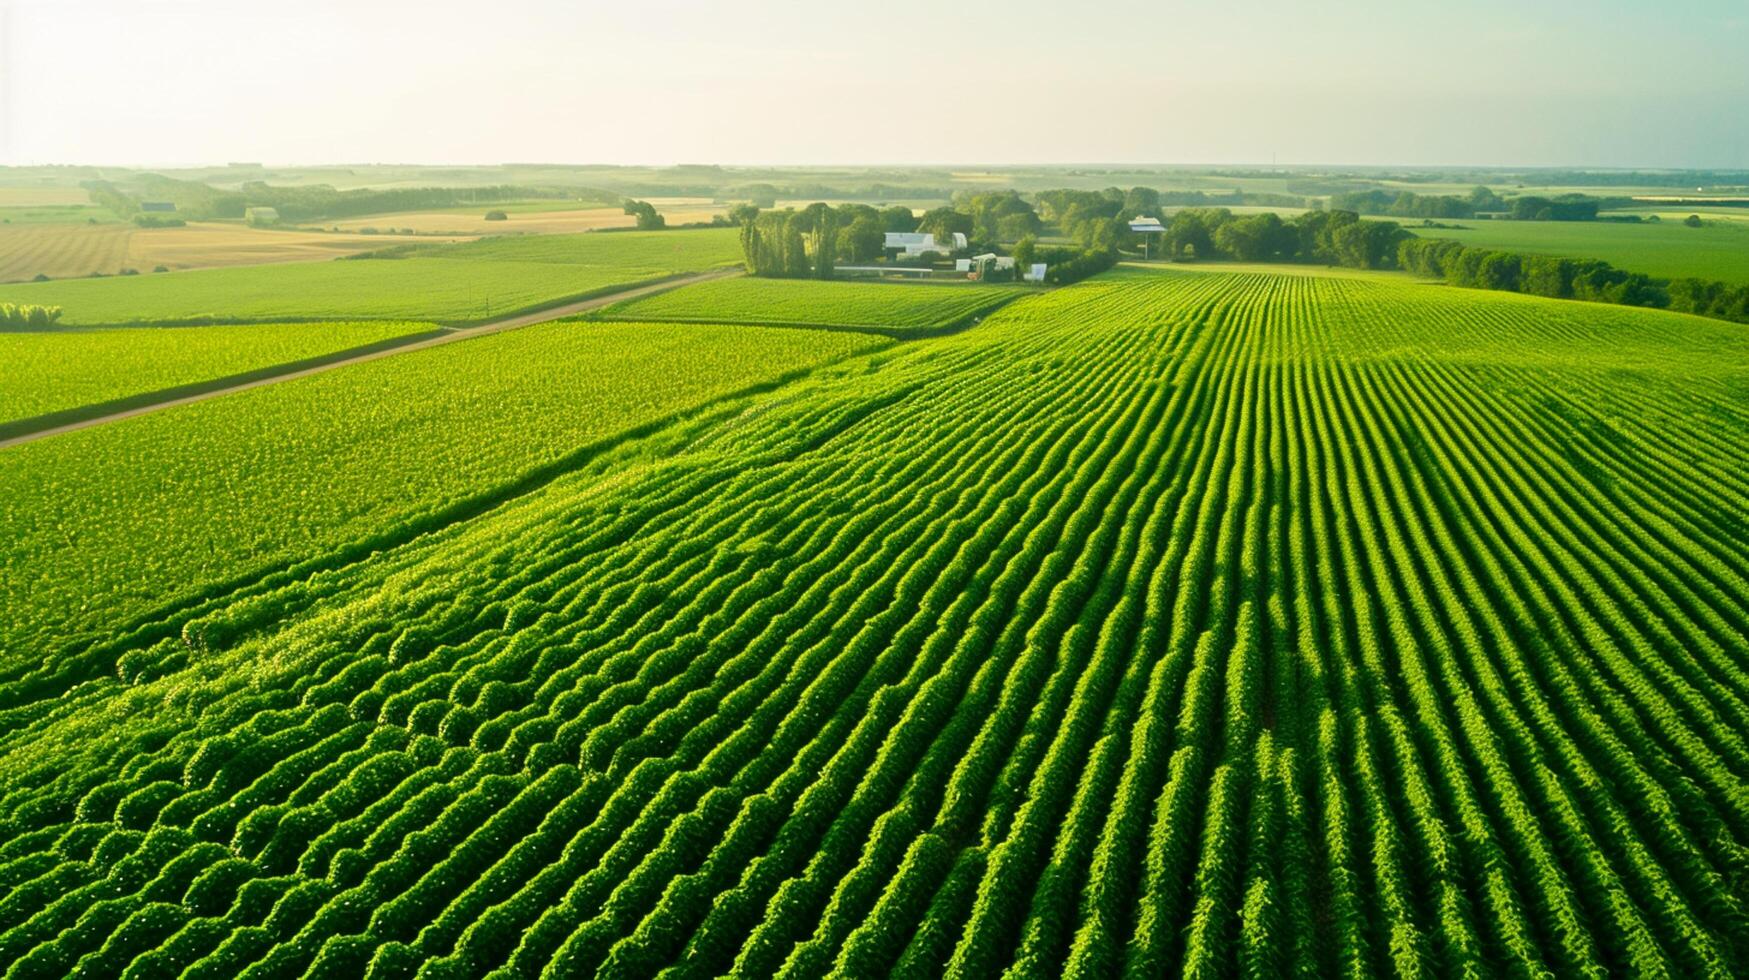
(74,249)
(516,221)
(465,282)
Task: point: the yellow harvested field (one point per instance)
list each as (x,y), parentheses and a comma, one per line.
(61,250)
(519,222)
(64,251)
(33,196)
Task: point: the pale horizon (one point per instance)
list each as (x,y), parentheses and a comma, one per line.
(170,83)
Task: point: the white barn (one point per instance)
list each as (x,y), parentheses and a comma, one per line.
(918,242)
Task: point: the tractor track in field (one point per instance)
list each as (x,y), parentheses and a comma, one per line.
(41,427)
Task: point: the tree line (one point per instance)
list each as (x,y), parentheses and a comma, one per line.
(1561,278)
(1481,200)
(1343,238)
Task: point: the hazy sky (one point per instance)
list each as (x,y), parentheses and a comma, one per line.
(1544,82)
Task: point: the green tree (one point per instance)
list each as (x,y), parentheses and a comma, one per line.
(762,195)
(648,218)
(743,214)
(899,218)
(1139,201)
(943,223)
(861,240)
(818,224)
(1013,227)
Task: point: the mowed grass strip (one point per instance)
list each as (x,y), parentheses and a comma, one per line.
(106,520)
(460,283)
(900,307)
(54,370)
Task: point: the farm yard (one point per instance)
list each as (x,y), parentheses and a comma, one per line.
(1215,622)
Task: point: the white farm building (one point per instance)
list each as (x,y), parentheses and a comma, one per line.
(918,242)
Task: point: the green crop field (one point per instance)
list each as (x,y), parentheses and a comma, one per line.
(1718,250)
(1169,623)
(126,515)
(50,371)
(466,282)
(900,307)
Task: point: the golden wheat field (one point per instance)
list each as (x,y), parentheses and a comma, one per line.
(61,250)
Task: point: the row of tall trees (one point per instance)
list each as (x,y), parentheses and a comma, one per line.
(789,243)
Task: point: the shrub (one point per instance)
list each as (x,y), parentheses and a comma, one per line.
(497,216)
(14,315)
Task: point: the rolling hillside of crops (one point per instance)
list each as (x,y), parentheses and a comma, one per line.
(125,516)
(1167,623)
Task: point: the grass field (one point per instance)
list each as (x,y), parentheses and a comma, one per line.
(126,514)
(1170,623)
(1719,250)
(900,307)
(54,370)
(37,214)
(466,282)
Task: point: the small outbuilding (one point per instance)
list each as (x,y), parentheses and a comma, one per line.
(261,216)
(1146,227)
